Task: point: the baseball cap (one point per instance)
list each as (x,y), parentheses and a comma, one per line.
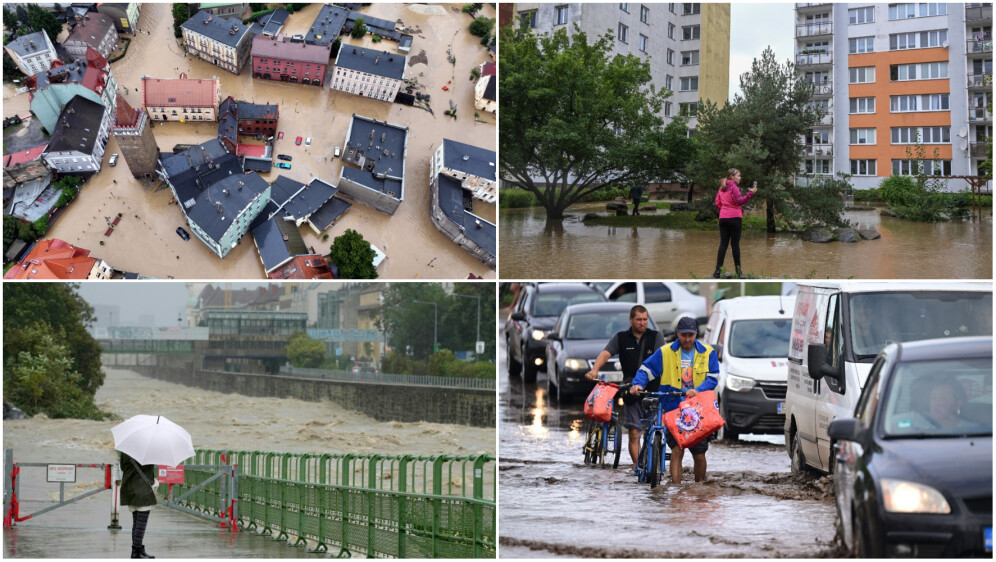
(687,325)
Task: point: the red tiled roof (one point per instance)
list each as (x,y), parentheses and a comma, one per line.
(490,69)
(53,259)
(253,150)
(95,77)
(23,156)
(185,92)
(282,49)
(125,115)
(311,266)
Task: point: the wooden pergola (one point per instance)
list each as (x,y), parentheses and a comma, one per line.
(976,183)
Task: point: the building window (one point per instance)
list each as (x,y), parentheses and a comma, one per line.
(688,83)
(858,45)
(669,82)
(670,7)
(688,109)
(923,102)
(918,40)
(689,9)
(925,135)
(623,33)
(862,105)
(528,19)
(643,43)
(913,167)
(922,71)
(689,58)
(689,32)
(863,136)
(624,6)
(863,167)
(857,16)
(861,75)
(670,57)
(561,15)
(921,10)
(817,166)
(644,14)
(667,109)
(670,31)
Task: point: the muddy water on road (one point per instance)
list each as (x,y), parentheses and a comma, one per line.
(533,248)
(148,243)
(553,505)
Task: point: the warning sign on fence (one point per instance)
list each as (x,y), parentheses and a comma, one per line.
(62,473)
(170,474)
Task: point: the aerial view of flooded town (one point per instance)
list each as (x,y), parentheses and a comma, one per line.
(347,141)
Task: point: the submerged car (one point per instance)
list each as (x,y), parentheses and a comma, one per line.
(307,141)
(283,165)
(280,135)
(576,340)
(914,467)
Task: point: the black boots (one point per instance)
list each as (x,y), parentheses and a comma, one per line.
(716,274)
(740,274)
(139,552)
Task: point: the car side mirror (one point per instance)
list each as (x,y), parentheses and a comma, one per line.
(719,351)
(519,316)
(553,336)
(847,429)
(818,367)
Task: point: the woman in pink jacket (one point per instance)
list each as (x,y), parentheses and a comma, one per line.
(729,201)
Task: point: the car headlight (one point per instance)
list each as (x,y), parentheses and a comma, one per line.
(900,496)
(538,334)
(739,384)
(577,364)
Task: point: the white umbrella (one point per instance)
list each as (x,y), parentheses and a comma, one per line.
(153,440)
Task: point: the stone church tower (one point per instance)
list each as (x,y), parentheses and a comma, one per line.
(133,131)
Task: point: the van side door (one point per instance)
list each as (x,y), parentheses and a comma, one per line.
(830,391)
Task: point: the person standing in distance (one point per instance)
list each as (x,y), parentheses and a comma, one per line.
(633,347)
(688,366)
(636,194)
(730,203)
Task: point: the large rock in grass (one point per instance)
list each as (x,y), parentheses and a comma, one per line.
(847,235)
(679,206)
(616,206)
(869,234)
(589,216)
(648,209)
(817,234)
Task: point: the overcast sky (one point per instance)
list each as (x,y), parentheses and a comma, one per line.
(755,26)
(163,299)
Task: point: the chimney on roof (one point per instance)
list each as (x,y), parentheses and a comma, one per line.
(377,60)
(225,191)
(465,157)
(217,204)
(240,185)
(354,50)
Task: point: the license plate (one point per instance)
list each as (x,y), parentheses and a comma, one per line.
(610,376)
(987,535)
(781,407)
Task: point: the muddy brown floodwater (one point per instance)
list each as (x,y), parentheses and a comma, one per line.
(553,505)
(145,241)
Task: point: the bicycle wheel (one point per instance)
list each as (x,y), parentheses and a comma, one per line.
(613,441)
(641,461)
(593,445)
(598,449)
(586,447)
(657,455)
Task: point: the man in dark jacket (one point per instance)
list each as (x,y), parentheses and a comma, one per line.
(138,483)
(636,193)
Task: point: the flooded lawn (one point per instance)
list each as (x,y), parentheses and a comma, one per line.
(145,241)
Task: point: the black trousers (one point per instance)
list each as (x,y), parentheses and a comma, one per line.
(729,234)
(141,520)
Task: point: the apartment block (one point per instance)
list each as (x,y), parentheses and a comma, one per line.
(889,76)
(688,44)
(217,40)
(32,53)
(368,72)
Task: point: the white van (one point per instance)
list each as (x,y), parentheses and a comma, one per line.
(751,339)
(837,330)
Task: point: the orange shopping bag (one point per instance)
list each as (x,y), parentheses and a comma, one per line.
(694,419)
(598,406)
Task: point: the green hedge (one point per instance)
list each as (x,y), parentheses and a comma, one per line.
(511,198)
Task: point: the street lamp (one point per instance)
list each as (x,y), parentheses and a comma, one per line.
(435,317)
(478,315)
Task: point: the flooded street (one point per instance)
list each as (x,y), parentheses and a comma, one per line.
(145,241)
(533,248)
(553,505)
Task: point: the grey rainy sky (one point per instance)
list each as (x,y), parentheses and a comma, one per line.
(161,298)
(754,26)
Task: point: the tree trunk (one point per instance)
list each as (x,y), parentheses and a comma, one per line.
(554,213)
(691,189)
(770,212)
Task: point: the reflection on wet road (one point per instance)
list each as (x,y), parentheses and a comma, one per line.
(553,505)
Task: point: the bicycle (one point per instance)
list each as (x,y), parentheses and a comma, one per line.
(650,464)
(604,437)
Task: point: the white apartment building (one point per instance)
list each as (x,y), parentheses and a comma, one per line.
(368,72)
(220,41)
(888,75)
(688,44)
(32,53)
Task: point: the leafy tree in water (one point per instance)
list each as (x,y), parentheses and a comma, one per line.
(303,351)
(574,119)
(359,28)
(681,152)
(471,8)
(758,133)
(180,16)
(42,20)
(40,226)
(353,256)
(481,26)
(36,315)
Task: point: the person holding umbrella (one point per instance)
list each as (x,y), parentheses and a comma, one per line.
(145,441)
(138,492)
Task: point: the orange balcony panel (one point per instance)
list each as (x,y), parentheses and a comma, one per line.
(926,119)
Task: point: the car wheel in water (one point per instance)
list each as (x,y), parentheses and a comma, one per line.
(798,460)
(529,369)
(514,367)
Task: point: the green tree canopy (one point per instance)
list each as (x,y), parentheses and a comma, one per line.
(303,351)
(353,256)
(759,133)
(38,318)
(181,13)
(574,119)
(41,19)
(359,28)
(481,26)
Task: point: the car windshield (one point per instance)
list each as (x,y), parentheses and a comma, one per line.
(932,399)
(878,319)
(760,338)
(597,325)
(552,304)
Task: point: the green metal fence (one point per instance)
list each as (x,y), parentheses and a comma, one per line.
(381,506)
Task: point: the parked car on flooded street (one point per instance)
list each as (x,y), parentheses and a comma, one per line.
(914,466)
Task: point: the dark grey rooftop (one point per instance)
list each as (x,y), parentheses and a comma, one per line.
(217,28)
(278,240)
(387,186)
(215,210)
(454,202)
(248,110)
(327,25)
(372,61)
(382,27)
(274,21)
(191,170)
(29,44)
(228,128)
(78,126)
(405,41)
(257,164)
(379,145)
(491,89)
(72,72)
(284,189)
(329,213)
(268,211)
(470,159)
(308,199)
